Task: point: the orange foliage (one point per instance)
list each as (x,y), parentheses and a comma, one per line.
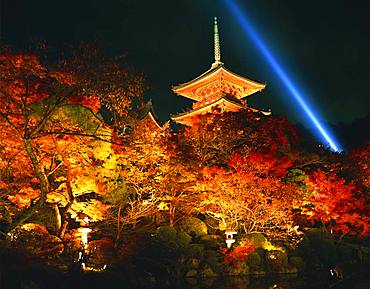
(239,253)
(360,173)
(33,123)
(249,197)
(91,102)
(212,138)
(335,204)
(230,166)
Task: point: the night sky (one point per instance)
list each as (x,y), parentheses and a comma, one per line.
(324,45)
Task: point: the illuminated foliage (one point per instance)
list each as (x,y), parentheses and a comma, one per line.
(250,197)
(51,127)
(214,137)
(360,172)
(239,253)
(334,203)
(24,84)
(106,81)
(244,163)
(76,137)
(154,170)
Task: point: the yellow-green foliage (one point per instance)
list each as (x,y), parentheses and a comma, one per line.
(193,226)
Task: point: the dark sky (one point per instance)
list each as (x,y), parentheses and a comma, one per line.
(324,45)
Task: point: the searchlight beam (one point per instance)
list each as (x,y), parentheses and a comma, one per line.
(324,133)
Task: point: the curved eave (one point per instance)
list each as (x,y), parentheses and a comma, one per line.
(151,115)
(258,86)
(196,80)
(148,112)
(185,118)
(154,119)
(217,72)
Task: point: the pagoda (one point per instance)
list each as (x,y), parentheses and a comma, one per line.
(217,90)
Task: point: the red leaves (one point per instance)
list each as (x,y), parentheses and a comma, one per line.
(22,79)
(334,203)
(239,253)
(91,102)
(64,78)
(267,163)
(3,185)
(361,171)
(278,131)
(236,160)
(20,61)
(213,137)
(251,194)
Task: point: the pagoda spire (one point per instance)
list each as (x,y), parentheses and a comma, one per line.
(217,50)
(217,82)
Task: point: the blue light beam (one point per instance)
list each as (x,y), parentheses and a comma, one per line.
(299,98)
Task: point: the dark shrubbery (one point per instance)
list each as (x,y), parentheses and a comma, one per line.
(317,249)
(255,261)
(298,263)
(277,261)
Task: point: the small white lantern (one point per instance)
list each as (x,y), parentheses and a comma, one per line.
(230,237)
(84,231)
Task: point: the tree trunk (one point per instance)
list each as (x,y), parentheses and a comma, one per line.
(172,215)
(118,223)
(63,229)
(71,197)
(27,213)
(39,172)
(24,215)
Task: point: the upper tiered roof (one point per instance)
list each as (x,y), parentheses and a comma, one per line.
(217,90)
(218,81)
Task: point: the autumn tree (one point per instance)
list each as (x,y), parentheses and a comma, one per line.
(355,166)
(147,162)
(37,103)
(25,82)
(108,81)
(213,137)
(336,204)
(250,195)
(82,167)
(244,158)
(336,190)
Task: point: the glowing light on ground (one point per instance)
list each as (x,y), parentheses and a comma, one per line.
(324,133)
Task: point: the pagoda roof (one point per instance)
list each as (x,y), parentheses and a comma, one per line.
(218,81)
(148,113)
(225,103)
